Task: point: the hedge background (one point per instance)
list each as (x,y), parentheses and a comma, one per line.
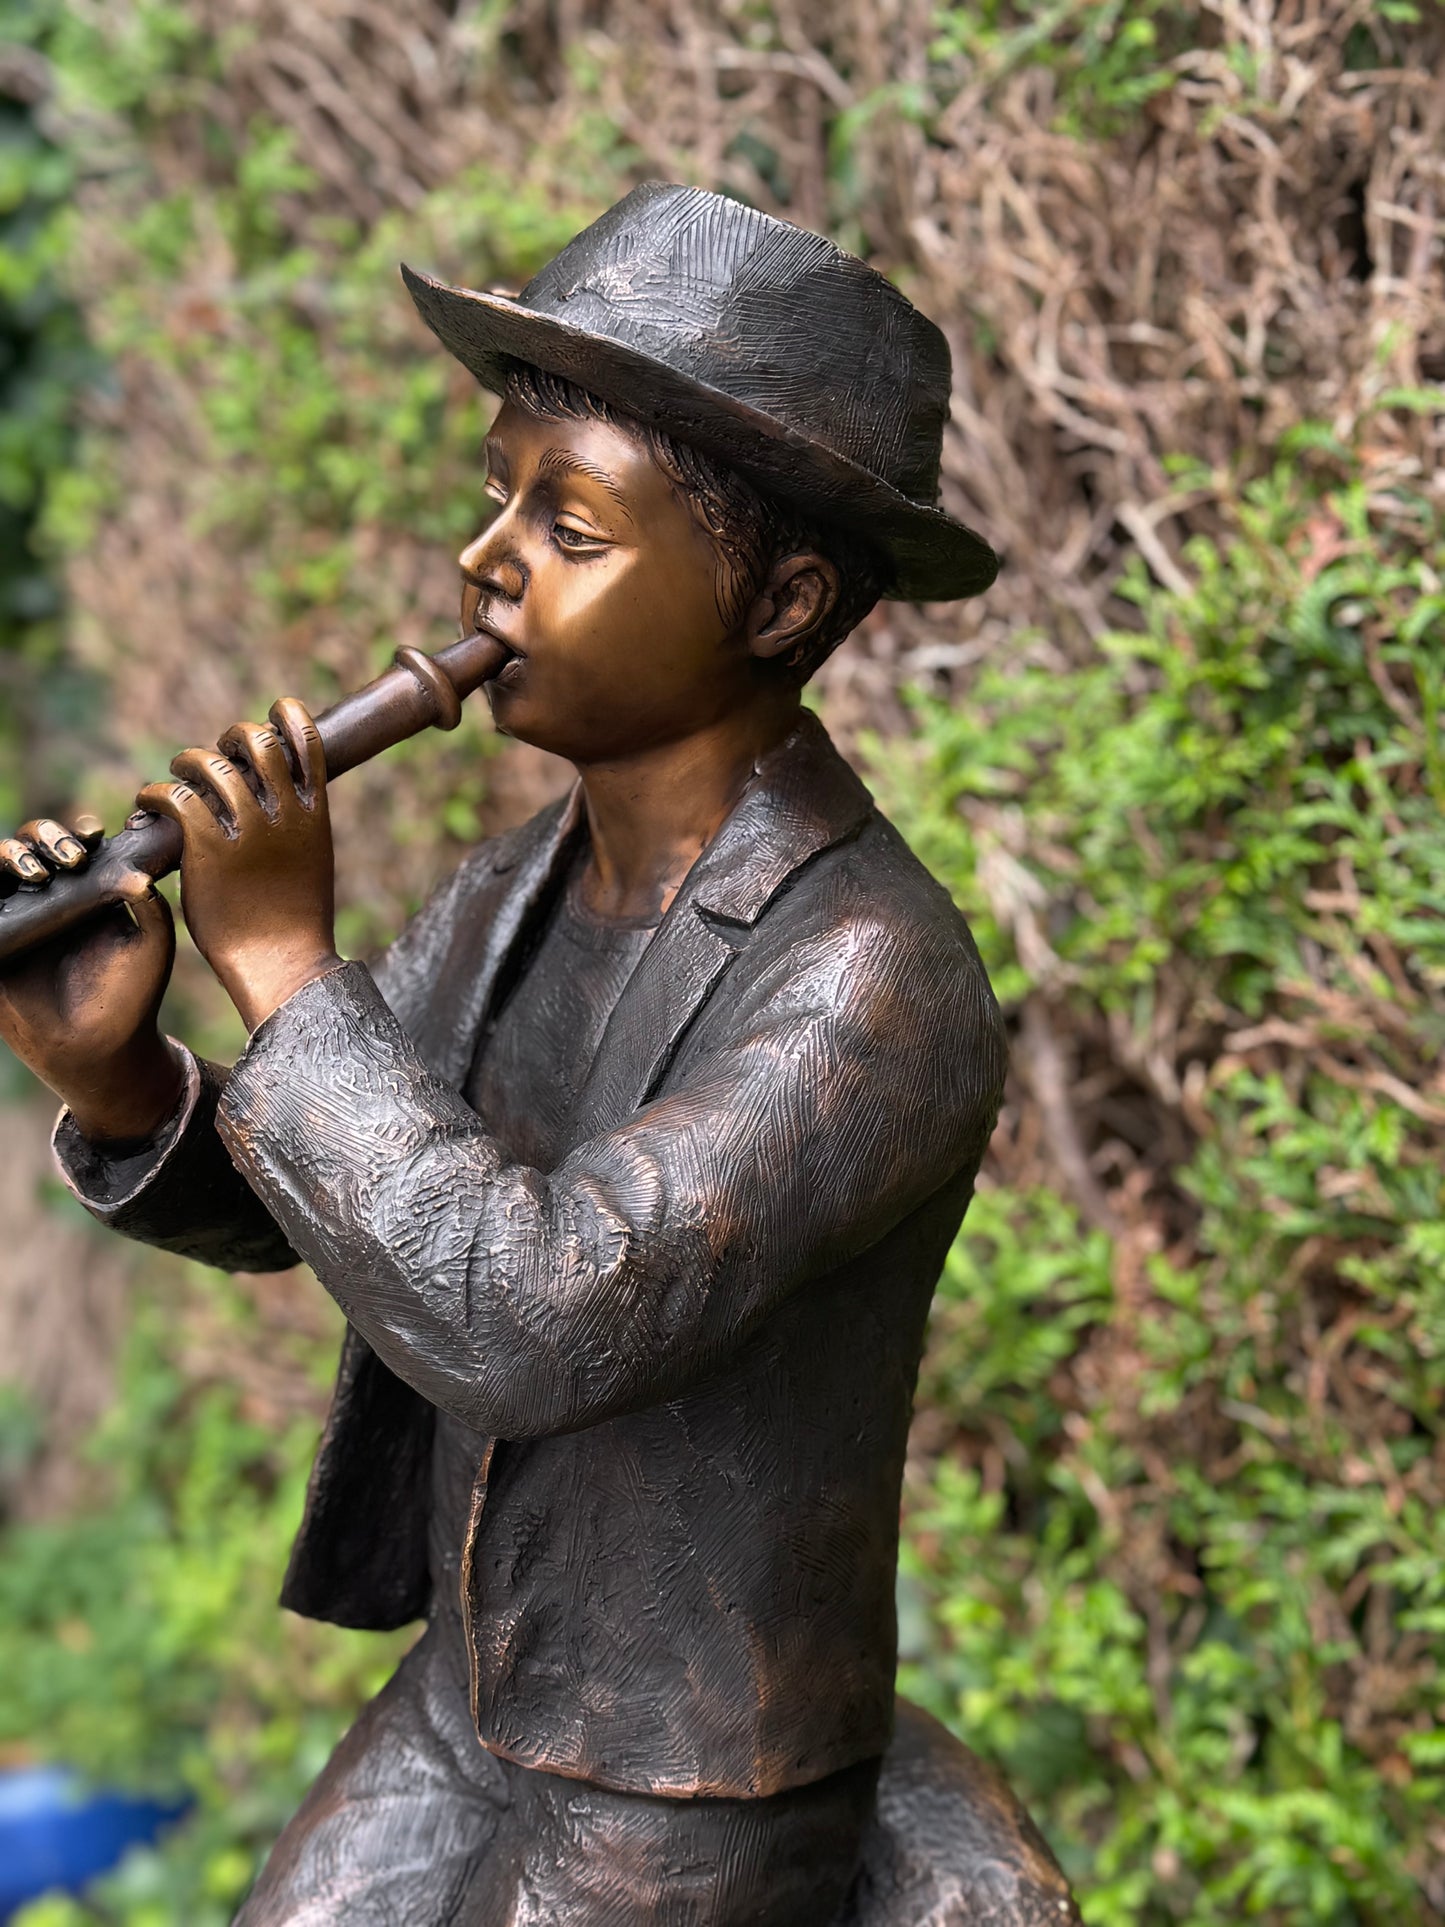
(1174,1546)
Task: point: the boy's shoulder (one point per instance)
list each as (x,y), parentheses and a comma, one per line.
(868,921)
(860,917)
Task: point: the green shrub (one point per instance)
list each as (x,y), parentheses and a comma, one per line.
(1182,1564)
(142,1641)
(1107,57)
(44,701)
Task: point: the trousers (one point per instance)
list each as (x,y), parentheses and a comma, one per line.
(413,1823)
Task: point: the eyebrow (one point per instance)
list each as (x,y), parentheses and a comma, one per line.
(557,461)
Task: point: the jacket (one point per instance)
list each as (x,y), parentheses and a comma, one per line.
(693,1344)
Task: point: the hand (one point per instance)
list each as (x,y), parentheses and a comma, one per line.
(257,872)
(82,1011)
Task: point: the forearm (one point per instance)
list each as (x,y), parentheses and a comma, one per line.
(445,1260)
(528,1303)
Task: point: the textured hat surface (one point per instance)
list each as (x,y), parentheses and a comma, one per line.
(757,342)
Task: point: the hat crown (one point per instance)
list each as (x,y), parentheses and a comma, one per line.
(770,315)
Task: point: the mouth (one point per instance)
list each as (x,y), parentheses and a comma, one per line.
(512,669)
(472,624)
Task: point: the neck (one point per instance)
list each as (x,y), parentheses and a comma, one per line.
(650,815)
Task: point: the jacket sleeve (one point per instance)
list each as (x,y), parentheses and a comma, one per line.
(856,1084)
(180,1191)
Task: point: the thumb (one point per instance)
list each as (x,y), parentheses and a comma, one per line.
(149,911)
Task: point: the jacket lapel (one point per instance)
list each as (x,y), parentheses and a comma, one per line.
(801,799)
(489,919)
(488,926)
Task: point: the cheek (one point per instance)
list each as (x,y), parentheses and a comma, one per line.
(605,614)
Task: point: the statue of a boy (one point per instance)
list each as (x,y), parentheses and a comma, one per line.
(634,1160)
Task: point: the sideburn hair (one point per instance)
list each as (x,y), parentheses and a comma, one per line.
(751,531)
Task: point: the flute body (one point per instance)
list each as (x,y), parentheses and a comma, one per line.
(418,692)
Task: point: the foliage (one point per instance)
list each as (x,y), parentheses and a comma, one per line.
(1182,1571)
(43,355)
(143,1641)
(1107,57)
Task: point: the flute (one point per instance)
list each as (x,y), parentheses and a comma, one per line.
(418,692)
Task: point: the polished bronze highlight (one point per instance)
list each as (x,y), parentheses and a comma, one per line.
(418,692)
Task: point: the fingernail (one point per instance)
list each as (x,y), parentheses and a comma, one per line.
(31,868)
(68,850)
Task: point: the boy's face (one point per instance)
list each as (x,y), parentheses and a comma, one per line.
(604,584)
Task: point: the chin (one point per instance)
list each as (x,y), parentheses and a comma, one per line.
(516,713)
(529,723)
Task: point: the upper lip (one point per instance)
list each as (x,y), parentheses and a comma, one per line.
(480,626)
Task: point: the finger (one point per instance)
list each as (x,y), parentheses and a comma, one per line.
(219,783)
(293,722)
(19,863)
(259,754)
(54,842)
(88,827)
(184,805)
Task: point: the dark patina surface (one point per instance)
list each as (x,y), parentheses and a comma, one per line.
(665,1560)
(679,1539)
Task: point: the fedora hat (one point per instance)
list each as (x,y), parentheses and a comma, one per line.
(756,342)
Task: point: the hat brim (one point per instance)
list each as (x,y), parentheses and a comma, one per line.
(935,559)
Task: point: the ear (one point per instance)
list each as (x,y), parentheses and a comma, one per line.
(791,605)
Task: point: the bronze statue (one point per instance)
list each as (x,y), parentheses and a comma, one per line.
(632,1163)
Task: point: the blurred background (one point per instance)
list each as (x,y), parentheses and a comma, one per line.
(1175,1545)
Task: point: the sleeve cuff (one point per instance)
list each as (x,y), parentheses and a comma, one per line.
(104,1181)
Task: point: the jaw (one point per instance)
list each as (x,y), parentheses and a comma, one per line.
(615,729)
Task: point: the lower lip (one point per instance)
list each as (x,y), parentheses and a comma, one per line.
(509,672)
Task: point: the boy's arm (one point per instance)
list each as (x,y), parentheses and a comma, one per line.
(862,1081)
(179,1191)
(136,1139)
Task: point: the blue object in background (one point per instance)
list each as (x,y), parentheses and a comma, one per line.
(56,1832)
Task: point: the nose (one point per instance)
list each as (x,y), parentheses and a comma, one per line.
(488,570)
(487,563)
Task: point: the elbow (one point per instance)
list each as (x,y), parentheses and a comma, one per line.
(526,1409)
(542,1389)
(532,1397)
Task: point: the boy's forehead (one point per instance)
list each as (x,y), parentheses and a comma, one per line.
(518,429)
(615,455)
